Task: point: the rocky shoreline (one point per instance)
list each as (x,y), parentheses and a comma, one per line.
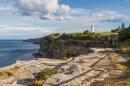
(77,71)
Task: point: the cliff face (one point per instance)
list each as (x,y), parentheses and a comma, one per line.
(59,48)
(52,48)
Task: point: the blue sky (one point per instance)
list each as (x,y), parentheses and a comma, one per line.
(22,19)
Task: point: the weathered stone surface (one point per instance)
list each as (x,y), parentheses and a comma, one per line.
(77,71)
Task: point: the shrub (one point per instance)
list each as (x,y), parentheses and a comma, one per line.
(16,67)
(1,73)
(9,73)
(37,83)
(44,74)
(121,67)
(91,51)
(64,58)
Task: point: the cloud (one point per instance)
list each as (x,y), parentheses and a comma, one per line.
(99,15)
(9,32)
(114,19)
(108,15)
(126,0)
(45,9)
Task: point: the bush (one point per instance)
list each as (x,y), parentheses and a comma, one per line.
(37,83)
(16,67)
(121,67)
(9,73)
(44,74)
(1,73)
(91,51)
(64,58)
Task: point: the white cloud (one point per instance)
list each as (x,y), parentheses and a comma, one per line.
(126,0)
(8,32)
(45,9)
(100,15)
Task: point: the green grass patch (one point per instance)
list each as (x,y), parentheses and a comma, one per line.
(106,33)
(42,76)
(1,73)
(9,73)
(16,67)
(64,58)
(125,43)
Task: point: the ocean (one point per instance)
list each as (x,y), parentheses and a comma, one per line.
(13,50)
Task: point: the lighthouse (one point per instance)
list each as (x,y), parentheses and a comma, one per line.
(92,28)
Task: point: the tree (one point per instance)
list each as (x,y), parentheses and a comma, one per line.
(123,25)
(119,27)
(129,27)
(86,32)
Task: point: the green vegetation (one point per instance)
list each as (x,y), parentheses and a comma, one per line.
(124,34)
(125,43)
(124,40)
(124,48)
(5,73)
(9,73)
(41,76)
(106,33)
(120,81)
(64,58)
(86,35)
(44,74)
(1,73)
(75,36)
(16,67)
(119,29)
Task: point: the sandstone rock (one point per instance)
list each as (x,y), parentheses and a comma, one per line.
(55,79)
(57,49)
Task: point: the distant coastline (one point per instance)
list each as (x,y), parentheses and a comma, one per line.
(34,41)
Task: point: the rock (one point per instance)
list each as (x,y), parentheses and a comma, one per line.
(38,65)
(55,79)
(68,68)
(51,48)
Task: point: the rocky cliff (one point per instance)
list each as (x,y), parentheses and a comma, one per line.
(59,48)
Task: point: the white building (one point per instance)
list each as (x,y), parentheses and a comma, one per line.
(92,28)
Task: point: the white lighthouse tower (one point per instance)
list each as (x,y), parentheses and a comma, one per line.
(92,28)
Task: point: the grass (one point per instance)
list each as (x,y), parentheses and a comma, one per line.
(42,76)
(5,73)
(125,43)
(120,81)
(16,67)
(64,58)
(106,33)
(124,47)
(37,82)
(9,72)
(1,73)
(115,62)
(114,59)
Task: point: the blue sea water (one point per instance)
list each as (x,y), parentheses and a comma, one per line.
(13,50)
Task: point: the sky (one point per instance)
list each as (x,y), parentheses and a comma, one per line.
(23,19)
